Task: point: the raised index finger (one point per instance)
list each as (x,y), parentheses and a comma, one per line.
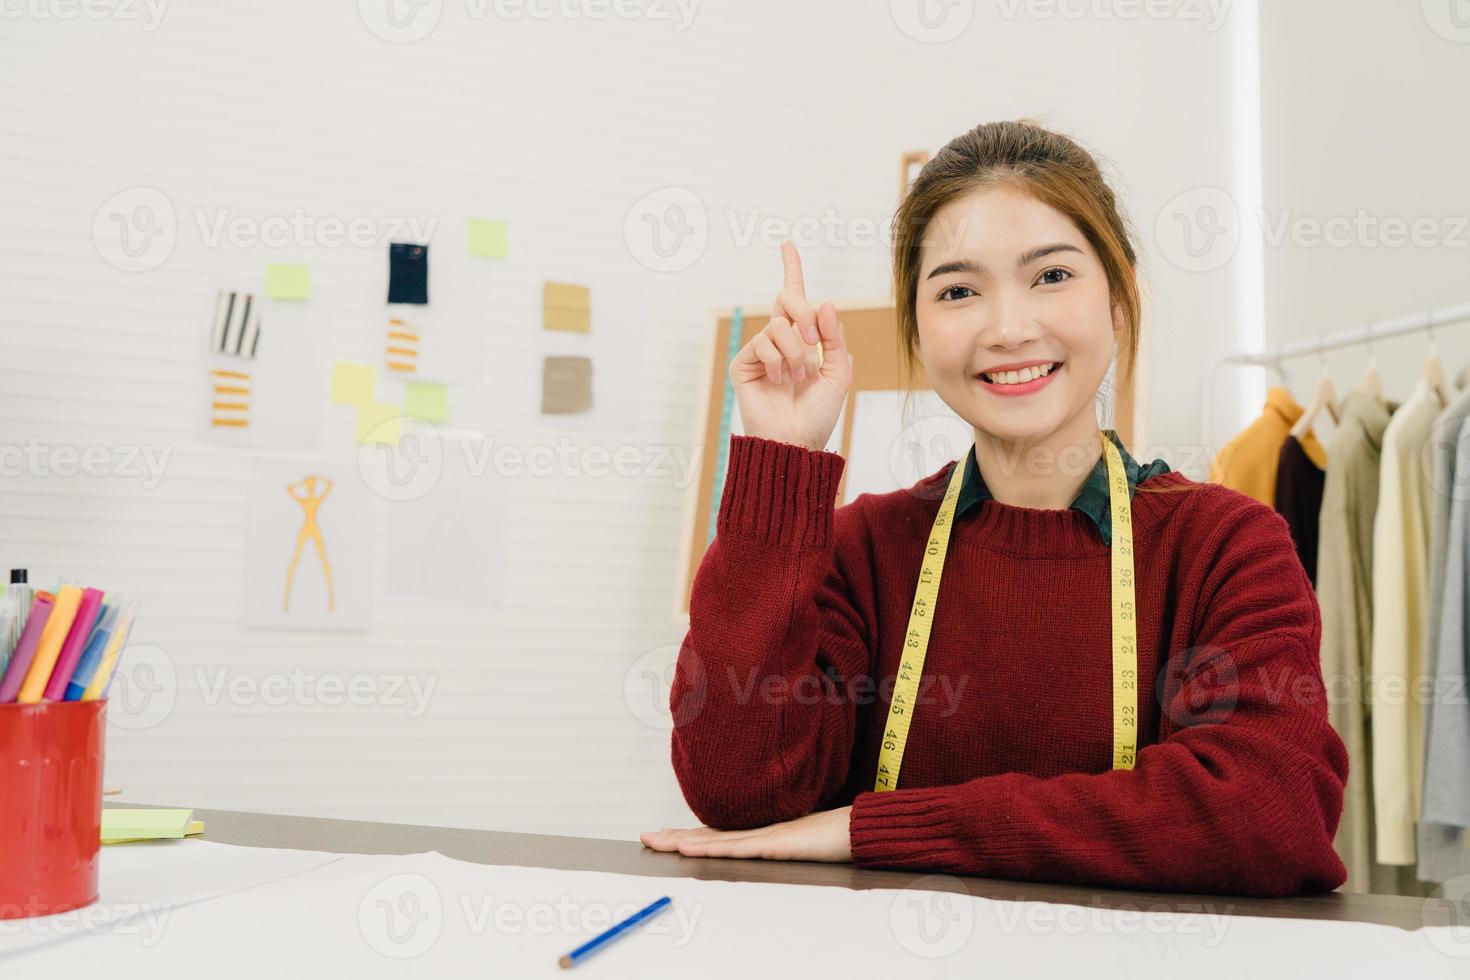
(792,263)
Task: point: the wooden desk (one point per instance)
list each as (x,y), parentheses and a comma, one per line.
(631,857)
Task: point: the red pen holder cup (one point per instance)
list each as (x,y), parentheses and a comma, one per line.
(50,806)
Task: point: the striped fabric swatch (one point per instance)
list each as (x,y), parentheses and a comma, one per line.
(403,347)
(229,406)
(236,324)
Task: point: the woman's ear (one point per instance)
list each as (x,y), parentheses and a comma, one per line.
(1118,319)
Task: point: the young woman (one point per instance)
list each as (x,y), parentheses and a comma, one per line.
(1120,683)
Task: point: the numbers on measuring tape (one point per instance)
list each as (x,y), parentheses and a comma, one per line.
(921,615)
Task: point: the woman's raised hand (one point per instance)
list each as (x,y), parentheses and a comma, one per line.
(785,391)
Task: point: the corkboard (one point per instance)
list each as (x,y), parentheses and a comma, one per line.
(871,330)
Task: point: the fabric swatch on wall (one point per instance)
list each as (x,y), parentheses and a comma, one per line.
(402,353)
(408,273)
(566,385)
(236,329)
(230,402)
(565,306)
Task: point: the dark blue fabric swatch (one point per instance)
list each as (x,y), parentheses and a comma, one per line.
(408,273)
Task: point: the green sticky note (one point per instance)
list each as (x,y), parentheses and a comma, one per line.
(144,824)
(288,282)
(378,424)
(426,400)
(487,238)
(353,384)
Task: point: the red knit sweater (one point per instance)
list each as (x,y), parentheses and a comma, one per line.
(798,612)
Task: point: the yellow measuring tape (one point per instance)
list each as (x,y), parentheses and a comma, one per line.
(921,621)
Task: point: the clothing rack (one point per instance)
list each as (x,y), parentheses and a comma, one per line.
(1334,341)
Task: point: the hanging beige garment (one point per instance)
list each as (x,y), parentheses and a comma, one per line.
(1400,610)
(1345,597)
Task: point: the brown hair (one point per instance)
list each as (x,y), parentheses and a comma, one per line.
(1054,170)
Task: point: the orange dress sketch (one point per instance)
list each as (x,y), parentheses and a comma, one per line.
(311,501)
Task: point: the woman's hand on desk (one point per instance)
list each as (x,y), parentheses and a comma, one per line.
(821,836)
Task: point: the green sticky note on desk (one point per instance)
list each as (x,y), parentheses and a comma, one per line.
(426,400)
(288,281)
(487,238)
(120,825)
(353,384)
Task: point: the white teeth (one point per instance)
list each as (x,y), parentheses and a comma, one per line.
(1022,376)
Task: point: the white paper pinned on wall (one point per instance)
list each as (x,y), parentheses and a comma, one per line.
(444,339)
(308,548)
(448,542)
(613,342)
(273,399)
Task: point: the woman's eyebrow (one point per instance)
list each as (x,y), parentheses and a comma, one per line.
(975,268)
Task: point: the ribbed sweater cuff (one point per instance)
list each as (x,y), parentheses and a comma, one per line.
(779,492)
(906,829)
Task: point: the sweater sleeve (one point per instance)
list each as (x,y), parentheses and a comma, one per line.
(1241,794)
(763,727)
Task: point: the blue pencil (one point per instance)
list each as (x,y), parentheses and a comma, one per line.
(597,942)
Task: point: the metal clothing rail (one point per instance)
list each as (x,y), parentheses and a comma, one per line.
(1333,341)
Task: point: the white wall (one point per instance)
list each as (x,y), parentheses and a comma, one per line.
(1361,131)
(261,107)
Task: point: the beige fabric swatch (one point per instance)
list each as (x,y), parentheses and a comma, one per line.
(566,385)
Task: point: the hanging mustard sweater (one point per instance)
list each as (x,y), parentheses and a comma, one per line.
(1247,463)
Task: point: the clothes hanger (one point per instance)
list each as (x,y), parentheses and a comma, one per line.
(1275,365)
(1372,383)
(1433,373)
(1322,397)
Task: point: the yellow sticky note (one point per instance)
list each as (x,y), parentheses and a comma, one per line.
(378,424)
(288,282)
(132,824)
(353,384)
(565,306)
(195,828)
(427,401)
(487,238)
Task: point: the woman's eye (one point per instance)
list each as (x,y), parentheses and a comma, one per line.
(956,292)
(1059,271)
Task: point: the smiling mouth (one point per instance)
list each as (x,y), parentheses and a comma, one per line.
(1021,377)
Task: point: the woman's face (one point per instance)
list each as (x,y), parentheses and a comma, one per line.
(987,300)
